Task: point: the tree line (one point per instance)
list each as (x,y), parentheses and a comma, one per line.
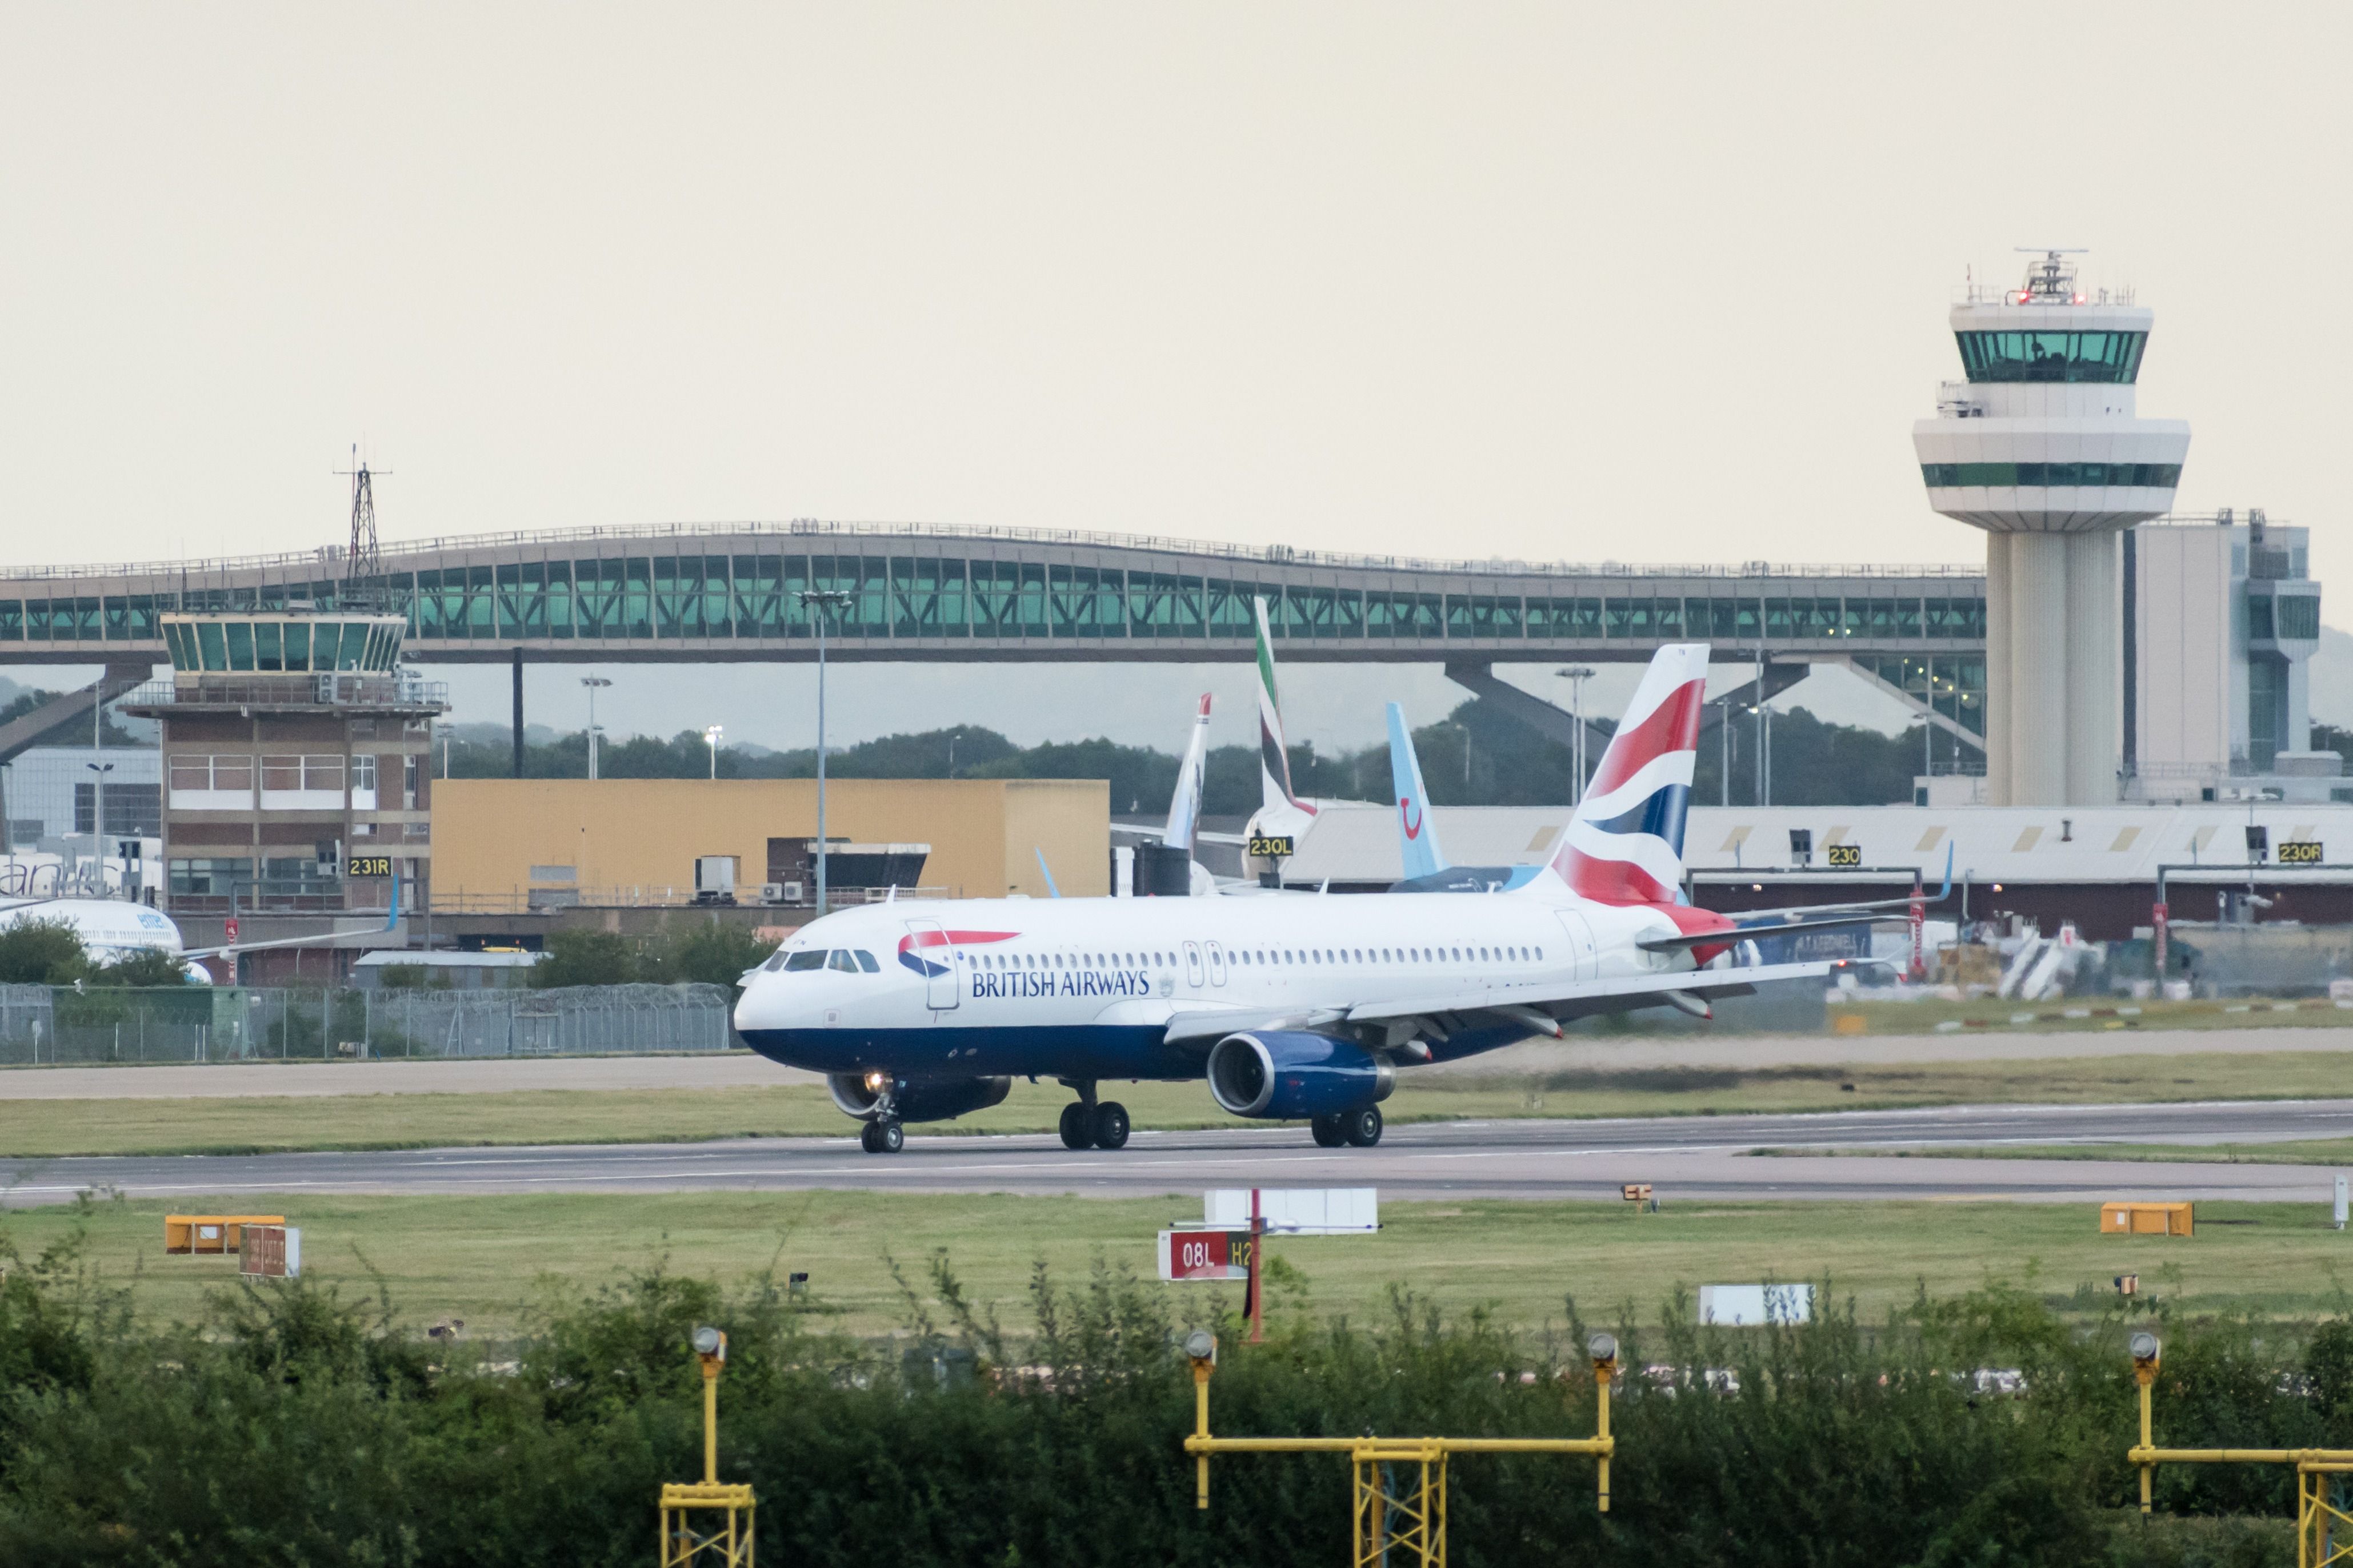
(288,1424)
(1478,756)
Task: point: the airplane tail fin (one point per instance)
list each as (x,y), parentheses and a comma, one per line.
(1625,845)
(1184,804)
(1274,755)
(1416,834)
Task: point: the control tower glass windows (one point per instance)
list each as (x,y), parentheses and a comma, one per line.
(2052,357)
(2145,476)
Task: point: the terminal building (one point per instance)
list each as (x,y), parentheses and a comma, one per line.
(294,764)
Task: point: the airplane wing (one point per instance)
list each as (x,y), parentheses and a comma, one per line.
(1796,911)
(1190,1020)
(1542,1008)
(1752,929)
(227,950)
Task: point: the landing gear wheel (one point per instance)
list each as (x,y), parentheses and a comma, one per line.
(1329,1133)
(1076,1134)
(890,1136)
(1362,1128)
(870,1138)
(1110,1125)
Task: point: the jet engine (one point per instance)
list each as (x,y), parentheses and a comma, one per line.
(936,1100)
(1286,1075)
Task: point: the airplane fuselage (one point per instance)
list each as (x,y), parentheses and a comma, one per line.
(1086,988)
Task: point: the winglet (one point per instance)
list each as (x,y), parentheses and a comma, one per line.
(1051,891)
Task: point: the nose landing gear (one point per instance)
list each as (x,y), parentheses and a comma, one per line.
(1090,1123)
(879,1137)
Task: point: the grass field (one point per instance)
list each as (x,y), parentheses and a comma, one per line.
(49,1128)
(2305,1152)
(486,1260)
(2090,1015)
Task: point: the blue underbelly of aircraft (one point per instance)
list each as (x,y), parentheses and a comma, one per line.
(1083,1050)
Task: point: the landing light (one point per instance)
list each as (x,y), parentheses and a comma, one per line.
(1602,1347)
(2143,1346)
(1201,1344)
(876,1080)
(709,1340)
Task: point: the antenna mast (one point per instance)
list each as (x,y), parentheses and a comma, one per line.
(360,560)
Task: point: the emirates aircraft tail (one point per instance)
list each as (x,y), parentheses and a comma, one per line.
(1274,755)
(1625,845)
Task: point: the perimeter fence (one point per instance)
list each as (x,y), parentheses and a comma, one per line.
(42,1026)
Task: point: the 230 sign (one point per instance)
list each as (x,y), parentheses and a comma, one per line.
(1270,847)
(2300,853)
(1844,854)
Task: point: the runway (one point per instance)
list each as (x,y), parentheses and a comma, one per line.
(742,1069)
(1684,1158)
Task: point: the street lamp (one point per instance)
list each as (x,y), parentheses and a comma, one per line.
(98,820)
(710,739)
(824,602)
(1577,676)
(593,683)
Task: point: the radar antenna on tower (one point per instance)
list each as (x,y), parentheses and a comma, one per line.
(360,558)
(2050,280)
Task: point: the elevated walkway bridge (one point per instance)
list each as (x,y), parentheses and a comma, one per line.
(706,592)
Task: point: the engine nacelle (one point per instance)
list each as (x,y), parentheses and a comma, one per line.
(937,1100)
(1287,1074)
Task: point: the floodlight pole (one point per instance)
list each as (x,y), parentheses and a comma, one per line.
(823,601)
(592,683)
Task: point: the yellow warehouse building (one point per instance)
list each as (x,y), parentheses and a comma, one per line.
(500,843)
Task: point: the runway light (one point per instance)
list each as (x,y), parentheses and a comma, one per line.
(1756,887)
(1997,886)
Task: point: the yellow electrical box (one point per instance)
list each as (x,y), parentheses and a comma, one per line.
(2144,1219)
(1849,1024)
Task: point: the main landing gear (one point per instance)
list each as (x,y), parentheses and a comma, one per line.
(1360,1129)
(1090,1123)
(879,1137)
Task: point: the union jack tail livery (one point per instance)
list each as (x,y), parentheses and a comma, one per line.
(1184,804)
(1625,845)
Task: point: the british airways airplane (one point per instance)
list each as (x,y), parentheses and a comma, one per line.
(1290,1009)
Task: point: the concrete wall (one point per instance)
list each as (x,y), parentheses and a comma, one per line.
(985,834)
(2185,642)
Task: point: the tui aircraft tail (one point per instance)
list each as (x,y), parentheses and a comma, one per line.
(1416,834)
(1625,845)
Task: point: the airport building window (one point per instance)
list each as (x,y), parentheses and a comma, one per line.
(211,878)
(2298,616)
(2052,357)
(2141,476)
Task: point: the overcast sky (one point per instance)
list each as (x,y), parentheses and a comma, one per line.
(1574,281)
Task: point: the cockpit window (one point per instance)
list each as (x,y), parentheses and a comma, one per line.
(866,962)
(775,960)
(808,958)
(839,959)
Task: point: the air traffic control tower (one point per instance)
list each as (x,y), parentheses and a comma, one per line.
(2042,448)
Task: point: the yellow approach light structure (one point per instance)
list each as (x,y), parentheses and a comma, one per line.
(705,1524)
(2323,1513)
(1397,1509)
